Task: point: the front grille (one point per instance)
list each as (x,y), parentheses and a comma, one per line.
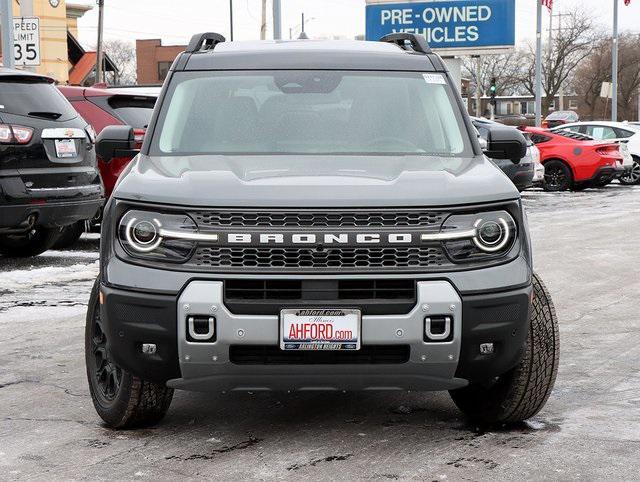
(372,297)
(305,218)
(300,258)
(321,257)
(273,355)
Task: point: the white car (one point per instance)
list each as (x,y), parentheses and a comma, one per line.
(626,133)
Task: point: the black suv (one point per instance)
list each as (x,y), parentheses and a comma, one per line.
(48,174)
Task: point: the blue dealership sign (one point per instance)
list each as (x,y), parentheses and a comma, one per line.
(447,24)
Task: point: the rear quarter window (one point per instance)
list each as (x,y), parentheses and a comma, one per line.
(539,138)
(134,111)
(34,99)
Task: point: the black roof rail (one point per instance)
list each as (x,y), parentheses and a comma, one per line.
(418,42)
(204,41)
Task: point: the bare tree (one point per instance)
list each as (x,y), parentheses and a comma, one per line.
(572,44)
(596,69)
(123,55)
(505,68)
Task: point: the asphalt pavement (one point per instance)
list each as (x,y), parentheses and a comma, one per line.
(586,250)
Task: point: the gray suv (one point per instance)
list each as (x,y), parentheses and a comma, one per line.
(316,215)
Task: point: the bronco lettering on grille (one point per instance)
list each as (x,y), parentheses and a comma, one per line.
(323,238)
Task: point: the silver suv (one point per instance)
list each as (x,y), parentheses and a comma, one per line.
(316,215)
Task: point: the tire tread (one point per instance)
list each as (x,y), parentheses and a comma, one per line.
(526,389)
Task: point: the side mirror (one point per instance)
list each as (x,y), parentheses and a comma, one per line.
(506,143)
(115,141)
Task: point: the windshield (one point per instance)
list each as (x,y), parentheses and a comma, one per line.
(34,99)
(310,112)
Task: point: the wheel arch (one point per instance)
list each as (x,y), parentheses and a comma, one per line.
(563,161)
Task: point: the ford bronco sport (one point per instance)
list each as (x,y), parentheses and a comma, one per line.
(314,215)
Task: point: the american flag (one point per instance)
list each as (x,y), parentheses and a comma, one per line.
(549,3)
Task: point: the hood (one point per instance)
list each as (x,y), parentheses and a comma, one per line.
(314,181)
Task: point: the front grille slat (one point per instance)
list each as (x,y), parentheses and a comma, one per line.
(377,297)
(305,258)
(318,219)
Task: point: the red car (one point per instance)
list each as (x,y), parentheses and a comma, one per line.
(102,107)
(575,161)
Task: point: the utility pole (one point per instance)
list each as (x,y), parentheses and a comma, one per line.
(26,10)
(100,52)
(263,27)
(538,86)
(478,85)
(8,55)
(614,66)
(231,20)
(277,20)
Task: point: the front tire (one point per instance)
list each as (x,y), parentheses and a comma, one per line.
(557,176)
(522,392)
(121,399)
(35,242)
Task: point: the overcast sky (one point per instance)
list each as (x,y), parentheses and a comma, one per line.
(174,21)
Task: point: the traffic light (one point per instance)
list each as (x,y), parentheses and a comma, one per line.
(492,91)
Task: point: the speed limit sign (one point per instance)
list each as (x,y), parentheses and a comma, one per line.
(26,33)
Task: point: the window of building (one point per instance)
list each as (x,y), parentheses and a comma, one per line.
(552,105)
(573,104)
(163,70)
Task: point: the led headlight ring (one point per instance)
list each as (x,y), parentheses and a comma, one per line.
(143,246)
(492,246)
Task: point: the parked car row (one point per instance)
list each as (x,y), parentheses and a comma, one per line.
(624,133)
(573,156)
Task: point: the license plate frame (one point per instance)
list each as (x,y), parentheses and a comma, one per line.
(328,316)
(66,148)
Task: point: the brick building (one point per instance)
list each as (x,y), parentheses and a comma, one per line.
(154,60)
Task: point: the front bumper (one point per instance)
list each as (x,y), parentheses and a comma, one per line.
(132,318)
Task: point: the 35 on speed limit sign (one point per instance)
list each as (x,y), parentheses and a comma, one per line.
(26,33)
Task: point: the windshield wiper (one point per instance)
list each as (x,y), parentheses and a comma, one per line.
(45,115)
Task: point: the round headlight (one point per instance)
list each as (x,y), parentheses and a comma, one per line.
(491,235)
(159,236)
(142,235)
(144,232)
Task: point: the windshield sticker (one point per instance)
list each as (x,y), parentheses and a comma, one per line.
(434,79)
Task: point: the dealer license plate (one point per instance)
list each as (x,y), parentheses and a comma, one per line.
(66,148)
(320,329)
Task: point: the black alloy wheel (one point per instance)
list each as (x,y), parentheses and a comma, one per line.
(557,176)
(107,375)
